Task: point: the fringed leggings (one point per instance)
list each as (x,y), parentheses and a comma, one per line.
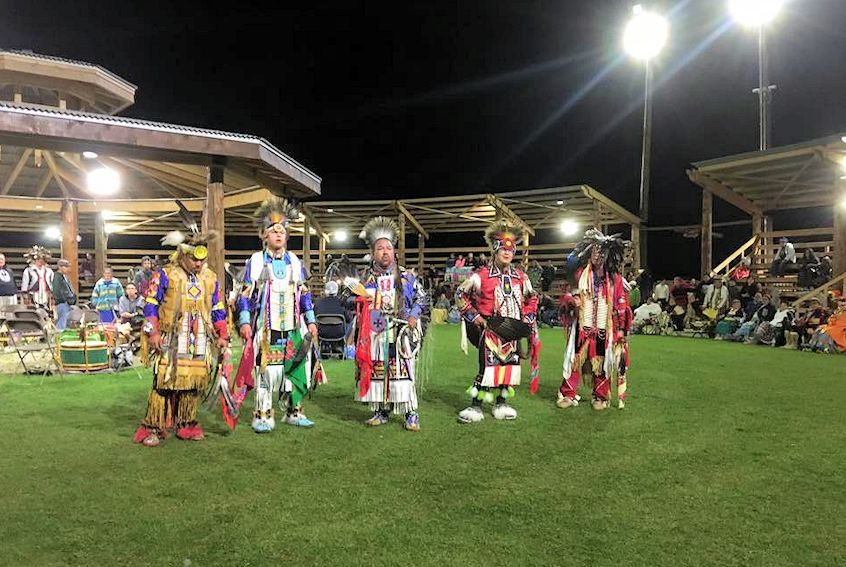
(172,408)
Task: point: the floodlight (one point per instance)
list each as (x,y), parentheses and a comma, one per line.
(89,155)
(569,227)
(755,13)
(103,181)
(341,235)
(645,34)
(53,233)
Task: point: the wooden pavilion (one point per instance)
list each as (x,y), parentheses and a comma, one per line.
(58,124)
(799,178)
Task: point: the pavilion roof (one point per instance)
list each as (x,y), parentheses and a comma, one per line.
(789,177)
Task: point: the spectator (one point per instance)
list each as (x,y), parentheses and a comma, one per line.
(37,279)
(483,260)
(131,304)
(547,310)
(826,270)
(86,268)
(104,298)
(743,269)
(717,297)
(809,268)
(8,286)
(440,311)
(752,307)
(831,335)
(331,304)
(749,290)
(662,293)
(646,313)
(534,272)
(679,293)
(471,261)
(784,259)
(781,322)
(730,322)
(547,276)
(645,283)
(442,302)
(460,261)
(810,322)
(143,275)
(733,290)
(450,262)
(63,294)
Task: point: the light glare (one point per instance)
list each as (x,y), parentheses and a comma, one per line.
(569,228)
(103,181)
(645,34)
(341,235)
(89,155)
(53,233)
(755,13)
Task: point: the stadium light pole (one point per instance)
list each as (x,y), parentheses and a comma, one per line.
(756,14)
(643,39)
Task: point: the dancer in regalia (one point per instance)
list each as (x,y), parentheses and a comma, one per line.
(276,314)
(598,316)
(499,308)
(186,326)
(388,306)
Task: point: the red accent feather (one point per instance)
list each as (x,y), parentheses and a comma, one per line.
(362,350)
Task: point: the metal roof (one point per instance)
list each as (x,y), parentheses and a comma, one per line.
(801,175)
(56,59)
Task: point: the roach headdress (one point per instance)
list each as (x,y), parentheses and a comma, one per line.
(612,248)
(502,234)
(379,228)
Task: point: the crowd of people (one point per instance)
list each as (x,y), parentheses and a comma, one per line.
(741,311)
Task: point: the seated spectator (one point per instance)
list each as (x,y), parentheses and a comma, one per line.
(460,262)
(785,258)
(751,307)
(748,291)
(441,309)
(471,261)
(781,323)
(743,269)
(454,316)
(647,313)
(830,337)
(331,304)
(131,304)
(764,313)
(805,326)
(809,267)
(679,294)
(826,269)
(547,276)
(534,272)
(729,323)
(450,262)
(733,291)
(716,299)
(547,310)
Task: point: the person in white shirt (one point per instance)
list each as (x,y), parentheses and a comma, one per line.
(786,256)
(717,297)
(661,293)
(38,277)
(646,313)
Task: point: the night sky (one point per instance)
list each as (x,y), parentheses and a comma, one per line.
(439,98)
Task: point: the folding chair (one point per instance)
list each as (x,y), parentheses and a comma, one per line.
(331,332)
(31,339)
(27,315)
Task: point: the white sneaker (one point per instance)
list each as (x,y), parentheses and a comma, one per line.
(471,414)
(504,411)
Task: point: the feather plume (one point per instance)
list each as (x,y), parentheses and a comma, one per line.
(379,228)
(173,238)
(494,231)
(276,209)
(187,218)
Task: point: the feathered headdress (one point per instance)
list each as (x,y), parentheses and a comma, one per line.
(502,234)
(37,252)
(613,250)
(379,228)
(195,245)
(276,213)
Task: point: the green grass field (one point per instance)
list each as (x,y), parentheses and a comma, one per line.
(726,455)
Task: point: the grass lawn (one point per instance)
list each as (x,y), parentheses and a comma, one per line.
(725,455)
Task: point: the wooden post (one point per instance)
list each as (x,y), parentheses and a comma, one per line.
(321,255)
(421,259)
(758,228)
(597,215)
(101,240)
(70,247)
(526,249)
(213,218)
(839,259)
(636,265)
(707,233)
(307,244)
(401,257)
(769,226)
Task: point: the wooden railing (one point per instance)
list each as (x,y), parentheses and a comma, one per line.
(822,290)
(727,263)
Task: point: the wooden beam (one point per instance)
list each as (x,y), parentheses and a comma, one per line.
(100,245)
(321,255)
(636,262)
(707,233)
(421,251)
(621,212)
(16,171)
(723,191)
(500,205)
(213,220)
(401,208)
(51,164)
(839,258)
(401,258)
(307,213)
(42,185)
(172,180)
(70,246)
(307,244)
